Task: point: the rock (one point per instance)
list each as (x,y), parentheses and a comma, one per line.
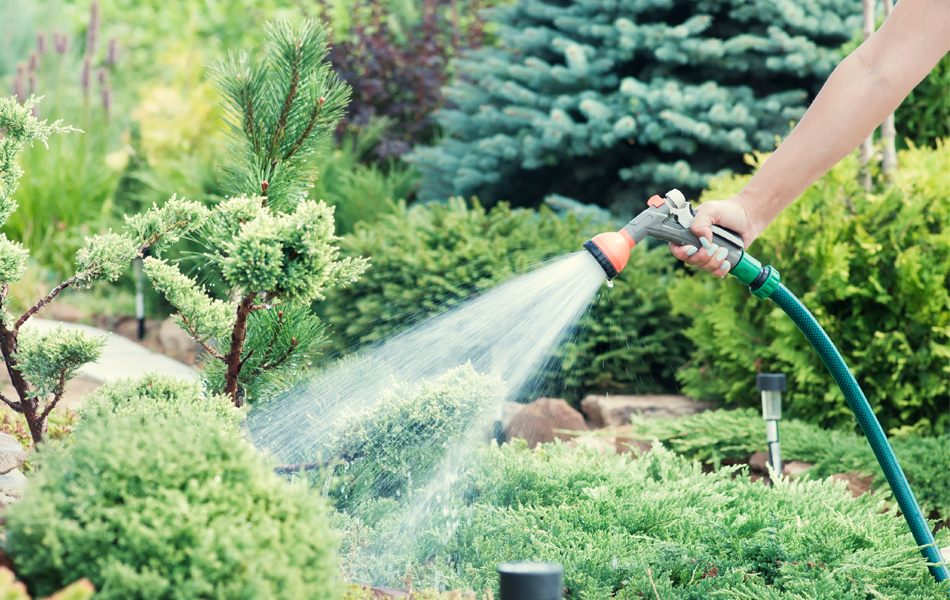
(626,444)
(11,484)
(794,468)
(759,462)
(174,339)
(613,411)
(380,593)
(856,484)
(12,454)
(7,500)
(603,444)
(536,423)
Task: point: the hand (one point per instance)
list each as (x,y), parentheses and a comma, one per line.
(732,214)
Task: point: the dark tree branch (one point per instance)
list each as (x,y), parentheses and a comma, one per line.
(49,298)
(287,469)
(293,346)
(285,112)
(57,396)
(14,405)
(306,132)
(233,358)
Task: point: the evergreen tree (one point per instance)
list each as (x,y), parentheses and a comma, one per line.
(271,247)
(608,101)
(40,364)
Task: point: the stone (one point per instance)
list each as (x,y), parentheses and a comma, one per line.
(794,468)
(626,444)
(538,422)
(510,410)
(11,484)
(613,411)
(856,484)
(759,462)
(12,454)
(174,339)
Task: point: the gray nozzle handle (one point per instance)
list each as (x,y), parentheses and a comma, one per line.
(671,231)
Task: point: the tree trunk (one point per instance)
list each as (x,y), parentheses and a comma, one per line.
(867,147)
(233,358)
(28,406)
(888,131)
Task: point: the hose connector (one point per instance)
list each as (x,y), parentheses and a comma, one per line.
(762,281)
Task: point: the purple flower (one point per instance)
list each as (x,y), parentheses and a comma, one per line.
(112,55)
(41,43)
(34,60)
(32,80)
(107,100)
(18,83)
(92,32)
(60,41)
(102,74)
(86,74)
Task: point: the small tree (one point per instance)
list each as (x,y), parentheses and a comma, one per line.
(270,245)
(40,364)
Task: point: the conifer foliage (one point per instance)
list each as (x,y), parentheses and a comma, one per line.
(40,364)
(604,100)
(270,244)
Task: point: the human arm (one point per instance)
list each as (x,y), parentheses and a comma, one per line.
(866,86)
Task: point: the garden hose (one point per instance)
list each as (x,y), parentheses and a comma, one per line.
(669,219)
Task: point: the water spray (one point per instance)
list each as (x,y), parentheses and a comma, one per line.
(669,218)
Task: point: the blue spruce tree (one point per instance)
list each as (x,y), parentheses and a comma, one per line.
(611,101)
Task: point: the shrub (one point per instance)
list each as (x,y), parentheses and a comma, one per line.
(164,507)
(924,116)
(429,258)
(11,589)
(394,448)
(604,101)
(716,435)
(621,526)
(874,268)
(159,396)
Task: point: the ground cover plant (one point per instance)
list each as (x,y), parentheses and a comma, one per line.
(40,364)
(268,246)
(713,436)
(605,101)
(622,525)
(429,258)
(872,266)
(159,496)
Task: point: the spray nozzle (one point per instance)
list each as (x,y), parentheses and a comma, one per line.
(666,218)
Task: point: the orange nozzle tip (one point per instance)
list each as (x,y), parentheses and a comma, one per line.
(615,246)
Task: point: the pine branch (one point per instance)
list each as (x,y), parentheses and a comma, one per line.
(288,102)
(293,346)
(306,133)
(57,396)
(194,334)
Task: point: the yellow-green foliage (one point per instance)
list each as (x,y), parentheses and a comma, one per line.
(609,520)
(874,268)
(11,589)
(152,506)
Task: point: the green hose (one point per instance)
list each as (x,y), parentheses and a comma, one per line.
(764,282)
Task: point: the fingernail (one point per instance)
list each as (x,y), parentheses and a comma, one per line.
(712,250)
(722,253)
(725,266)
(704,242)
(691,250)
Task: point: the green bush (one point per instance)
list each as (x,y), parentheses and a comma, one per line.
(621,526)
(164,507)
(429,258)
(156,395)
(924,116)
(874,268)
(392,449)
(716,435)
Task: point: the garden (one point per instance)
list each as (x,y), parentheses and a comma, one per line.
(295,303)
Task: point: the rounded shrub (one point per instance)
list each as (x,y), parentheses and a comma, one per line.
(165,507)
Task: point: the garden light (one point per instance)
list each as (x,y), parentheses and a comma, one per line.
(772,385)
(531,581)
(669,219)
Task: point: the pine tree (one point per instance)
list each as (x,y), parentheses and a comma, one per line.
(607,101)
(40,364)
(271,246)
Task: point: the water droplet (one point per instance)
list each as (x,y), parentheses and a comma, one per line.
(610,283)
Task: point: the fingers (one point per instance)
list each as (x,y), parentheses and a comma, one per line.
(709,257)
